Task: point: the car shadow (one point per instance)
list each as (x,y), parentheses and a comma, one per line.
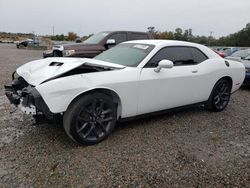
(54,132)
(167,115)
(247,88)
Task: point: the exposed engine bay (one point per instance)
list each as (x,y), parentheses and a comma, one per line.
(27,98)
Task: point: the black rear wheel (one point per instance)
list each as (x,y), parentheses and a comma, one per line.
(57,54)
(90,119)
(220,96)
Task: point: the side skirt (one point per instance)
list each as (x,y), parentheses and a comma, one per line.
(120,120)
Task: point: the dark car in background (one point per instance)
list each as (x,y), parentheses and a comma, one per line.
(95,44)
(243,56)
(25,43)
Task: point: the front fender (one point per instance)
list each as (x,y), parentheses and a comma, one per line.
(59,93)
(58,101)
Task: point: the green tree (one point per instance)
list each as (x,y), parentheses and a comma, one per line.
(178,34)
(240,38)
(72,36)
(58,37)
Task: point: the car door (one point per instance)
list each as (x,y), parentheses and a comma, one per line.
(118,37)
(173,87)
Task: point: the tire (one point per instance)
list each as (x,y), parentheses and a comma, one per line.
(56,54)
(90,119)
(219,96)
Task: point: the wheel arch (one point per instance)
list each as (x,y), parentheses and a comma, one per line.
(59,52)
(226,77)
(229,79)
(110,92)
(209,104)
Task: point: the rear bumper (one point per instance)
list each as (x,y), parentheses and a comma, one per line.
(28,99)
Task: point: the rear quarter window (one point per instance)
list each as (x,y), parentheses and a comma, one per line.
(197,55)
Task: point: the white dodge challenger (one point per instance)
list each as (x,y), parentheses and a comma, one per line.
(129,80)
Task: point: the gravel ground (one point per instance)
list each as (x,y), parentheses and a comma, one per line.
(189,148)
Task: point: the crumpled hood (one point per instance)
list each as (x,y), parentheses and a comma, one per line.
(36,72)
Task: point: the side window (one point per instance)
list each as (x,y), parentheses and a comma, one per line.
(137,36)
(119,37)
(179,55)
(197,55)
(160,55)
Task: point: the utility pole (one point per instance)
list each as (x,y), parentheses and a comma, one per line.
(53,31)
(211,33)
(210,38)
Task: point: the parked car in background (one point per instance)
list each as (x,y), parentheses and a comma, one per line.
(27,42)
(246,63)
(131,79)
(95,44)
(243,56)
(24,43)
(219,53)
(227,51)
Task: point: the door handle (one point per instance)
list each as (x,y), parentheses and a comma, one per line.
(194,71)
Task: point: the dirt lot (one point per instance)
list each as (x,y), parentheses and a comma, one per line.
(191,148)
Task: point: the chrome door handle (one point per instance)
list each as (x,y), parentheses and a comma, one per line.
(194,71)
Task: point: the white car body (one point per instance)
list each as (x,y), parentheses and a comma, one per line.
(140,90)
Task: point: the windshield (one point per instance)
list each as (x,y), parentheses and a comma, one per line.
(241,53)
(127,54)
(95,39)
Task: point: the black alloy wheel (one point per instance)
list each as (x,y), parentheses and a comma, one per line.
(90,119)
(220,96)
(56,54)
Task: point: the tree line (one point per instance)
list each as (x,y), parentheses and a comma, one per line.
(240,38)
(70,37)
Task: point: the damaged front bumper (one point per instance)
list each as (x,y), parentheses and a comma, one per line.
(27,98)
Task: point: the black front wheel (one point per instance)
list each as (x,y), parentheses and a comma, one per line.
(220,96)
(57,54)
(90,119)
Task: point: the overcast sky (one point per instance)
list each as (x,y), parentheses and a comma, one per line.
(91,16)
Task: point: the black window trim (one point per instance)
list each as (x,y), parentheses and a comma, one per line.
(130,33)
(117,33)
(145,66)
(103,42)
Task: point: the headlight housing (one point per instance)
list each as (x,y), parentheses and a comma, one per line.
(68,52)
